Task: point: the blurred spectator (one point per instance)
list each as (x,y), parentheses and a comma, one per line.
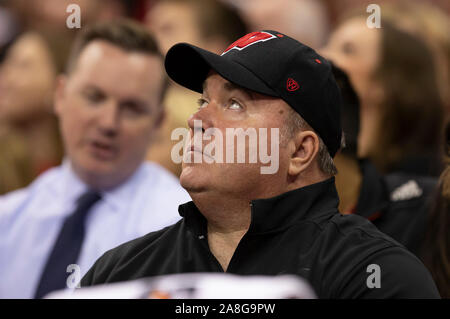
(107,125)
(15,164)
(401,108)
(304,20)
(436,250)
(27,78)
(8,29)
(34,45)
(48,18)
(432,25)
(208,24)
(339,8)
(400,120)
(428,19)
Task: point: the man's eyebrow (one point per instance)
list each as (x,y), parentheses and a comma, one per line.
(231,86)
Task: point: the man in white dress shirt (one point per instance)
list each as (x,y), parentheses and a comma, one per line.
(109,106)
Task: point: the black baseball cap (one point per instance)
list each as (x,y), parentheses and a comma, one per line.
(273,64)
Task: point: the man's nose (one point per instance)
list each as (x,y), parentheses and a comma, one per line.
(109,119)
(204,117)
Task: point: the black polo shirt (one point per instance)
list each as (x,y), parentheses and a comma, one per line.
(397,203)
(299,232)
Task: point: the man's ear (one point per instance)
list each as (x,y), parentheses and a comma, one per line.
(306,149)
(58,96)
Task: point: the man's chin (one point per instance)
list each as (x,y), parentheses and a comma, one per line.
(99,175)
(192,179)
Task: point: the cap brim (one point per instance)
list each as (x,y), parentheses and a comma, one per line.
(189,66)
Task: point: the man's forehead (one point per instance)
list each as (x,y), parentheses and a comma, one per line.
(113,63)
(100,49)
(227,85)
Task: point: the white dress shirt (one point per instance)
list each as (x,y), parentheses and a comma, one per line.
(30,220)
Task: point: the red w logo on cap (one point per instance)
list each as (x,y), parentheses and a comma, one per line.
(292,85)
(249,39)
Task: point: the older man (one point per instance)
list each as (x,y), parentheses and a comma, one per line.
(245,221)
(104,194)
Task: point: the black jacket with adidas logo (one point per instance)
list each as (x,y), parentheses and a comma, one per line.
(398,203)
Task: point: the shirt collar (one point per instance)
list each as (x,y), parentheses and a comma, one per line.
(306,203)
(121,196)
(72,186)
(116,198)
(279,212)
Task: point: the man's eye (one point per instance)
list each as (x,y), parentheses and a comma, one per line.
(133,108)
(235,105)
(94,97)
(201,103)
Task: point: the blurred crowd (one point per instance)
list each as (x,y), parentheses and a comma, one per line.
(395,81)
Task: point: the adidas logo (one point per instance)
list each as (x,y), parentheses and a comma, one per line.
(406,191)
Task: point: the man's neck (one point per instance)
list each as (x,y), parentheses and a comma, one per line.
(228,221)
(228,217)
(223,245)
